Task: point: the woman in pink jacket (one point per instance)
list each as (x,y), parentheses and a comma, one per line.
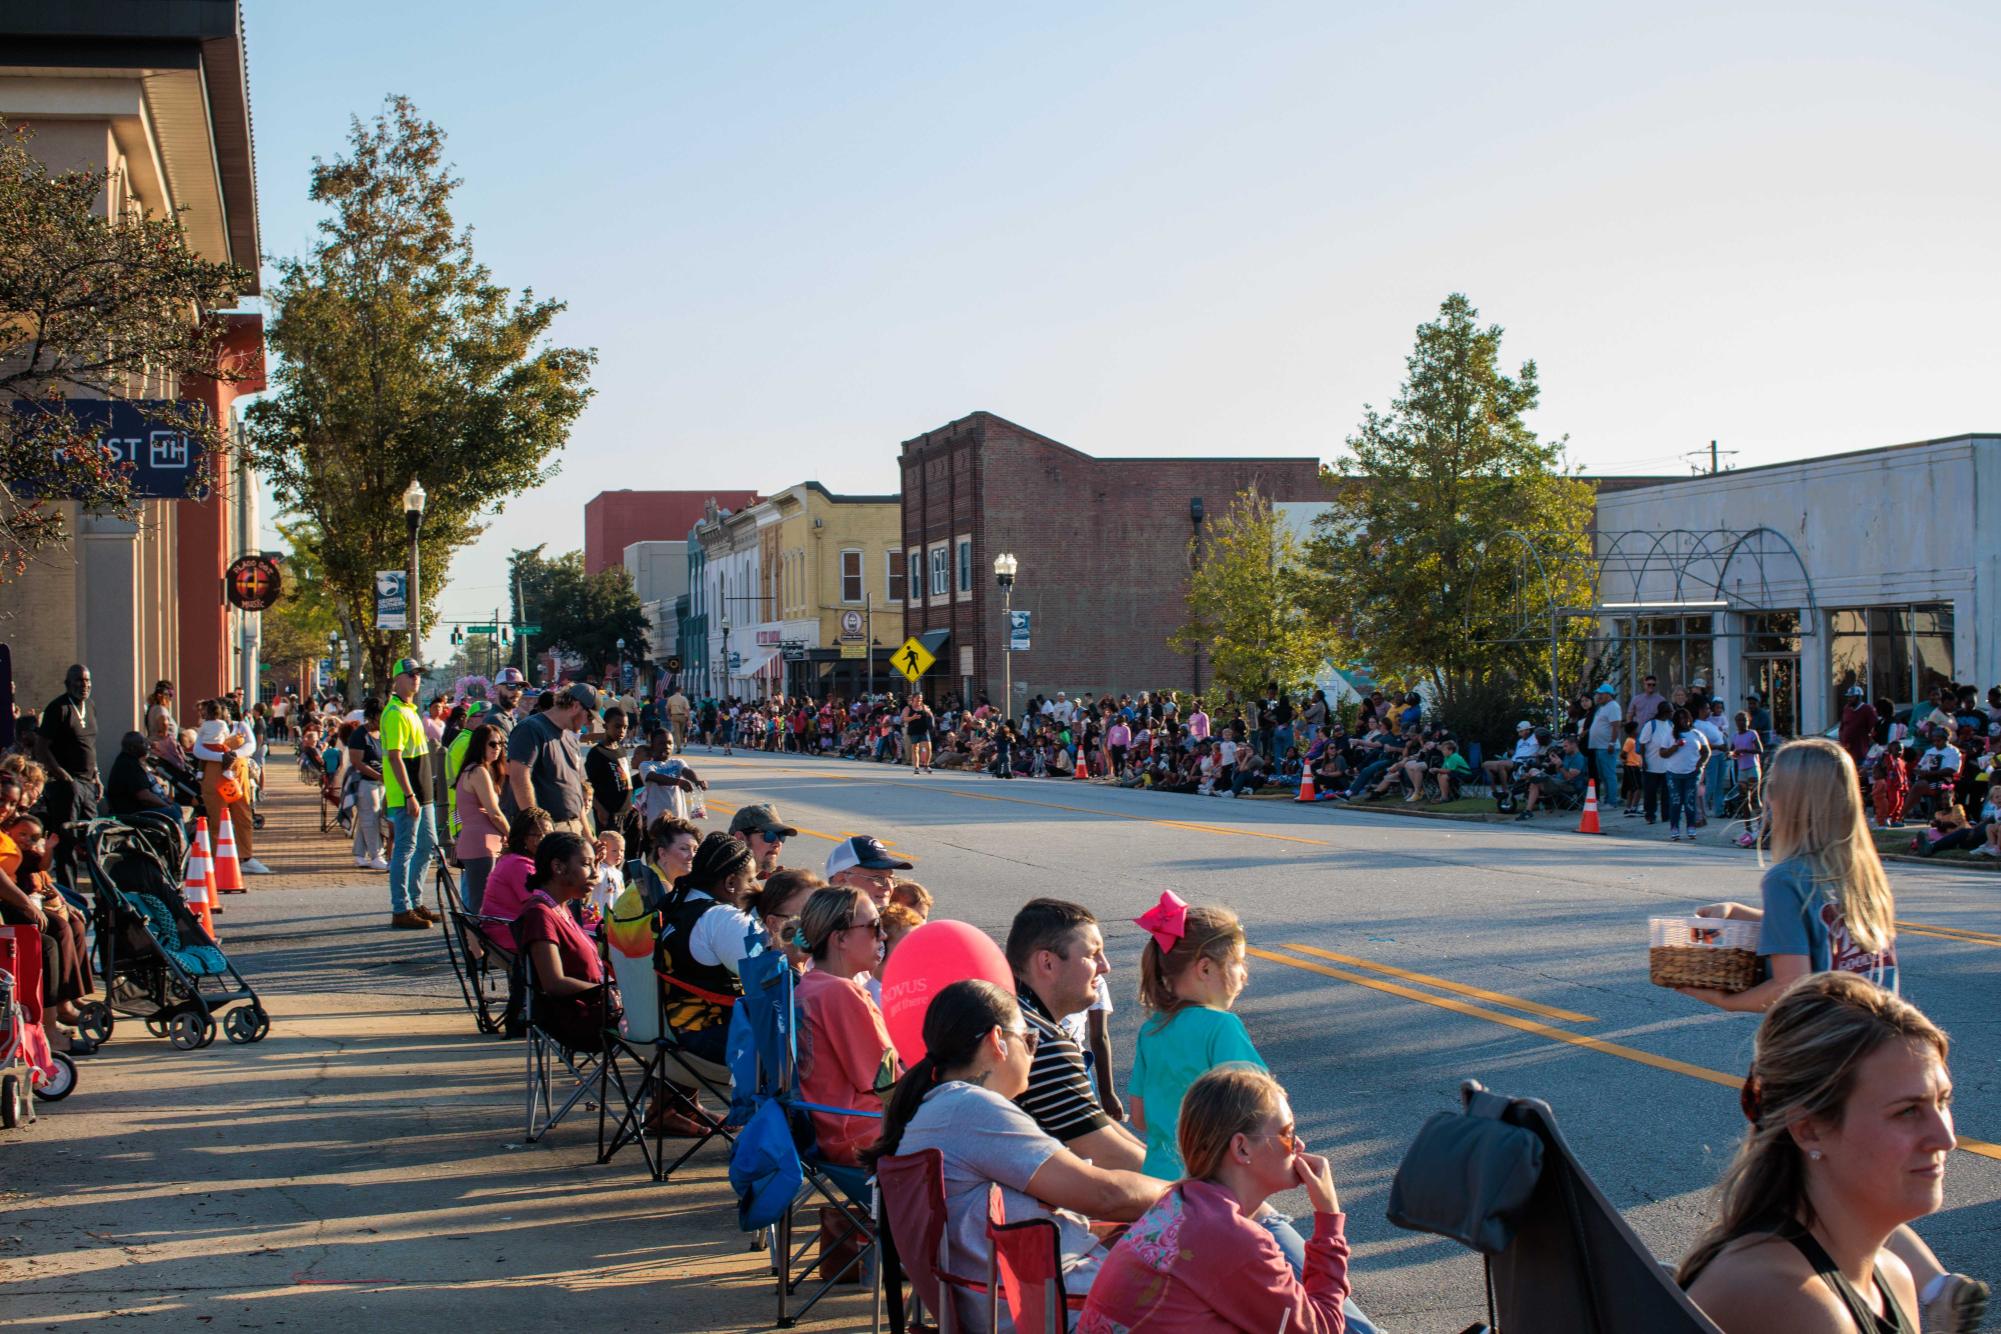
(1198,1260)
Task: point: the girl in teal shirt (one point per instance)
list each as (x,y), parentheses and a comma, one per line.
(1190,975)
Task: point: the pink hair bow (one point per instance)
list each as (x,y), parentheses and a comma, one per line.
(1166,921)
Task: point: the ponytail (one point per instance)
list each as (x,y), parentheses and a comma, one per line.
(956,1022)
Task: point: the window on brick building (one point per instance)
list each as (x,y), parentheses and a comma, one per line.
(963,547)
(851,576)
(892,573)
(941,571)
(915,569)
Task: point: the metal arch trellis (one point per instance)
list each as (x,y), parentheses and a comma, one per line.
(1699,569)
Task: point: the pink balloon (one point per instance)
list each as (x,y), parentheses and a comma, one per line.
(927,961)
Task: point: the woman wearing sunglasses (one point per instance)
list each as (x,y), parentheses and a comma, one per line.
(845,1057)
(1198,1260)
(958,1100)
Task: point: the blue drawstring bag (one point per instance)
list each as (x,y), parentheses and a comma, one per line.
(764,1168)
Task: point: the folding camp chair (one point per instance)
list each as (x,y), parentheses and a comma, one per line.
(1025,1267)
(765,1058)
(643,1055)
(912,1187)
(1500,1179)
(548,1058)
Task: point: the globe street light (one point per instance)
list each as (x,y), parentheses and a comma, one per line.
(727,690)
(413,514)
(1005,566)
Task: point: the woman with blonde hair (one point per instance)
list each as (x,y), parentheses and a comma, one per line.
(1850,1105)
(1198,1260)
(1827,902)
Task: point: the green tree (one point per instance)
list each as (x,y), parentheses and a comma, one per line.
(1411,566)
(583,615)
(306,613)
(1247,608)
(96,305)
(402,358)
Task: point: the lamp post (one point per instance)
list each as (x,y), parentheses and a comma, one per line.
(1005,566)
(413,514)
(728,691)
(621,665)
(333,657)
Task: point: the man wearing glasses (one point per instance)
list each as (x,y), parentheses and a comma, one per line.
(765,834)
(863,863)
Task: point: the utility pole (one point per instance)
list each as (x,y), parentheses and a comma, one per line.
(868,637)
(1716,457)
(521,617)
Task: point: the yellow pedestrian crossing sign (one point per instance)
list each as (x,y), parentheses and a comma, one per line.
(913,660)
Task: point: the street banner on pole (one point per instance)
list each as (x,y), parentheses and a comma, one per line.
(1017,631)
(392,599)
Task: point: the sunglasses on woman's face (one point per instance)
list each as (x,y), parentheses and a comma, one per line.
(872,924)
(1027,1037)
(1287,1138)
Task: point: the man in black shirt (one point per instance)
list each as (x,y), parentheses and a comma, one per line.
(1057,954)
(69,726)
(132,786)
(610,776)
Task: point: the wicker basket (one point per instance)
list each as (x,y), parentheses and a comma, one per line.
(1715,952)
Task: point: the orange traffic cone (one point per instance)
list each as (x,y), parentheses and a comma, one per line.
(195,891)
(1588,824)
(1082,770)
(228,876)
(1306,789)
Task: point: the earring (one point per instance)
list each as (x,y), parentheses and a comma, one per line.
(1814,1154)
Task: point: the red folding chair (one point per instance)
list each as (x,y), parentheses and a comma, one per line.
(1027,1267)
(913,1207)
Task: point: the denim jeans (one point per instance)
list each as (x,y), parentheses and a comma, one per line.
(1294,1246)
(1721,777)
(416,828)
(1605,763)
(1681,810)
(473,872)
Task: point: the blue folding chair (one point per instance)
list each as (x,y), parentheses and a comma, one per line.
(764,1060)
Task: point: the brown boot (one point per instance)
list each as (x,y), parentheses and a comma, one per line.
(410,921)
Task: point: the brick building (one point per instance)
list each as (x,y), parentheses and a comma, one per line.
(614,520)
(1103,547)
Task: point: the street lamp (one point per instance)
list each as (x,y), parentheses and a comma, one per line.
(621,663)
(1004,567)
(728,689)
(413,514)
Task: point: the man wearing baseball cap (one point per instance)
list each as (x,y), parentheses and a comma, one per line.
(406,774)
(863,863)
(546,761)
(1602,738)
(507,688)
(1858,728)
(765,834)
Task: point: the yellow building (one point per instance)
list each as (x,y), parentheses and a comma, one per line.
(835,577)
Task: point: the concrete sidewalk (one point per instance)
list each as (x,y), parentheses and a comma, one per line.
(364,1163)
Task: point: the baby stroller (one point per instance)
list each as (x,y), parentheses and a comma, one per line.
(27,1067)
(157,962)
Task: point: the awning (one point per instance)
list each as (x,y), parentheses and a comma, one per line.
(756,660)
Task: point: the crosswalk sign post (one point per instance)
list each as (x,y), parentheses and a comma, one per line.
(912,659)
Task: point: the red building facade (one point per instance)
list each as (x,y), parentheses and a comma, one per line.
(1102,545)
(614,520)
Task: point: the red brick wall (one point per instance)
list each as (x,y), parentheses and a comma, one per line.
(1103,546)
(614,520)
(205,668)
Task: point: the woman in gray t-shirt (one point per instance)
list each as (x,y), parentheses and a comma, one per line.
(957,1100)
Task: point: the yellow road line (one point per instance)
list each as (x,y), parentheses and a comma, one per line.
(1950,932)
(1492,997)
(1634,1054)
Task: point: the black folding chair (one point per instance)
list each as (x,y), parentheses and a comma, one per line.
(550,1058)
(1499,1178)
(643,1058)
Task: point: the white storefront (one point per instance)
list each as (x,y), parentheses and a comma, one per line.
(1880,568)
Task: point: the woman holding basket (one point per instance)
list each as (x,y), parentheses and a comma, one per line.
(1827,907)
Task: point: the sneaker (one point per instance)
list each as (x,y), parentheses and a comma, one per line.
(1632,815)
(1522,818)
(410,921)
(377,865)
(1674,838)
(255,867)
(1957,1306)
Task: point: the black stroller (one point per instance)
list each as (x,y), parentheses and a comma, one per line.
(157,962)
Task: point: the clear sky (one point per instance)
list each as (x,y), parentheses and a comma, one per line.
(799,234)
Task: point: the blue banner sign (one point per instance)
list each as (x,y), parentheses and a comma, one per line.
(164,460)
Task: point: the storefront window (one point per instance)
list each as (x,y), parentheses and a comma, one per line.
(1901,654)
(1675,650)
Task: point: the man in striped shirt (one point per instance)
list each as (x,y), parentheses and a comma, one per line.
(1058,954)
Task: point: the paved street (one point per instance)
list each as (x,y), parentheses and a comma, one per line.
(365,1161)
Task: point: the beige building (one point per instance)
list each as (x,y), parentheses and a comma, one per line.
(812,586)
(157,96)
